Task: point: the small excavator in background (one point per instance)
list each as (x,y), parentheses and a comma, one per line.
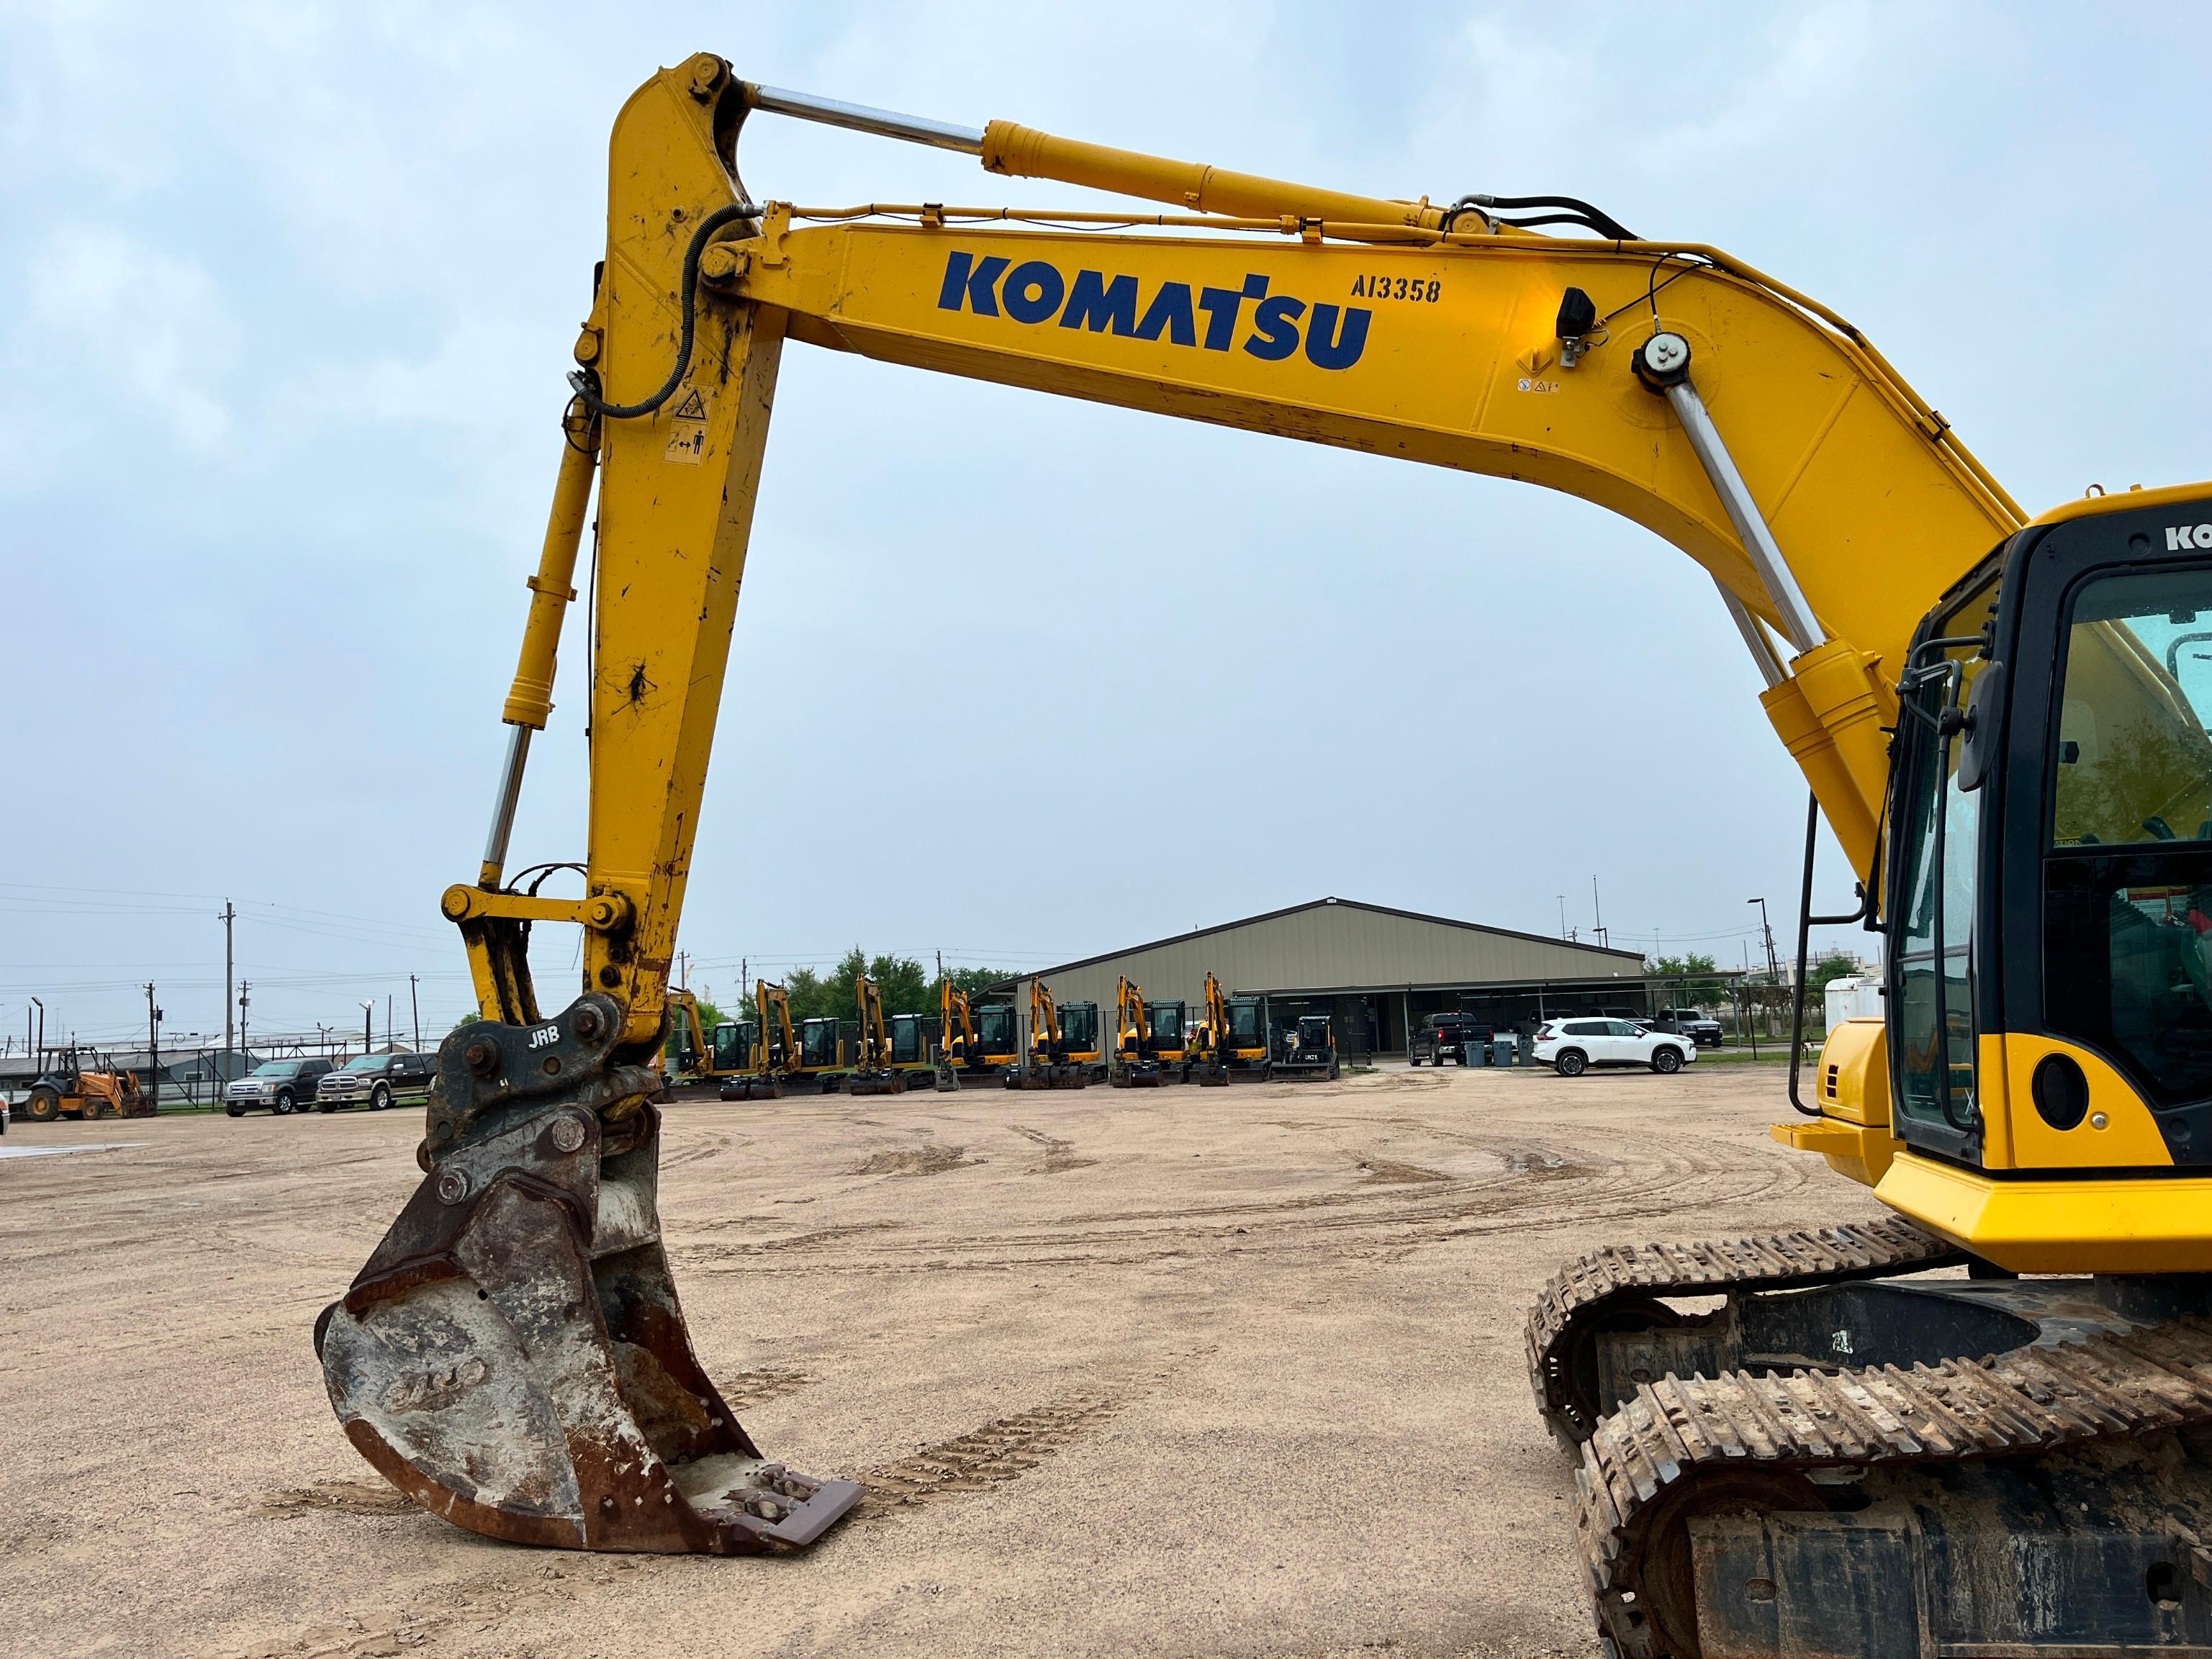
(955,1035)
(1229,1039)
(772,1058)
(1151,1045)
(914,1046)
(1049,1063)
(873,1072)
(979,1039)
(89,1087)
(1840,1445)
(709,1058)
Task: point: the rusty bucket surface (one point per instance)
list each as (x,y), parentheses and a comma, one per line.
(513,1358)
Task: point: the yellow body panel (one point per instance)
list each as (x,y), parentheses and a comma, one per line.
(2074,1226)
(1851,1084)
(2118,1133)
(1853,1151)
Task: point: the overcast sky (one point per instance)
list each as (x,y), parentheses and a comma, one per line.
(286,296)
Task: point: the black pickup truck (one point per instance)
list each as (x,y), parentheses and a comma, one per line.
(1441,1037)
(1687,1022)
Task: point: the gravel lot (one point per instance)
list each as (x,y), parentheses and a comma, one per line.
(1180,1372)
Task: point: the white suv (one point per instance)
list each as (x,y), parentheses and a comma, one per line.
(1571,1046)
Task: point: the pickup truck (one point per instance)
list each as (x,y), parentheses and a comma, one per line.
(275,1085)
(376,1080)
(1445,1037)
(1689,1023)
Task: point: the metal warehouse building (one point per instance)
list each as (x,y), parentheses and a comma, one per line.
(1376,969)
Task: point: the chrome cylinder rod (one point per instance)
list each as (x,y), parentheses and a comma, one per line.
(502,810)
(884,123)
(1771,668)
(1799,625)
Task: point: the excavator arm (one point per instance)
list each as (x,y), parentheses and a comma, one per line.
(514,1355)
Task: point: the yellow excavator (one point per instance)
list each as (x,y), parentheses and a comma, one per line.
(771,1058)
(703,1058)
(874,1073)
(1229,1039)
(1053,1061)
(1814,1441)
(1133,1065)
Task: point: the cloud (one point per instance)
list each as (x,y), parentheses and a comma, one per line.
(1811,63)
(117,320)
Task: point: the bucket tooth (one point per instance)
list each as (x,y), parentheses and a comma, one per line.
(513,1357)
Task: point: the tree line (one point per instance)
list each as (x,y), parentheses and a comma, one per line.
(907,987)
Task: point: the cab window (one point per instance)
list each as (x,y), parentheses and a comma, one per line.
(2132,764)
(2127,877)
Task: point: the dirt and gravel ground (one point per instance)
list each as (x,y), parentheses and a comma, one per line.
(1185,1371)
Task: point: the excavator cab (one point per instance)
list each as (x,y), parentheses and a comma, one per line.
(997,1037)
(2036,1105)
(1245,1046)
(736,1044)
(1170,1047)
(914,1041)
(1078,1031)
(826,1049)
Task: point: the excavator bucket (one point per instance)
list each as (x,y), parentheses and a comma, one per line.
(513,1358)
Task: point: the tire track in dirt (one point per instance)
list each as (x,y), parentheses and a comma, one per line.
(1002,1449)
(1537,1185)
(1007,1448)
(1058,1155)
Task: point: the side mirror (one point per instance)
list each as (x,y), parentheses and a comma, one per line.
(1984,727)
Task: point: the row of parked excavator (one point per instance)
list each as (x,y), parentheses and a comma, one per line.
(770,1054)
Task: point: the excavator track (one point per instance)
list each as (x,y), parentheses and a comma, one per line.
(1643,1469)
(2053,1496)
(1594,1292)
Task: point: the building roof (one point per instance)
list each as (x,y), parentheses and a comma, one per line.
(1608,960)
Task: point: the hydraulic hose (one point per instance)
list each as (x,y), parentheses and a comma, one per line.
(587,383)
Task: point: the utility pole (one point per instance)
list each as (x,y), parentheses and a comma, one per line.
(414,1003)
(368,1025)
(229,914)
(1563,916)
(42,1032)
(388,1022)
(1598,913)
(683,968)
(153,1048)
(244,1001)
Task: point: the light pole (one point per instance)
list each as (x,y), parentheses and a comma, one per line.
(152,1050)
(1773,962)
